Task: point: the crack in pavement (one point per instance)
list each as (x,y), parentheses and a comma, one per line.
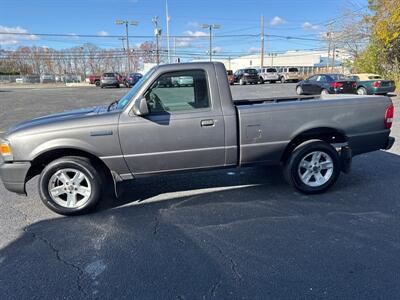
(54,250)
(214,288)
(232,262)
(60,259)
(156,225)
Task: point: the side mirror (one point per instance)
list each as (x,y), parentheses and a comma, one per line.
(140,107)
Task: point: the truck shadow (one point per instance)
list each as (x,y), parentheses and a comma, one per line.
(221,234)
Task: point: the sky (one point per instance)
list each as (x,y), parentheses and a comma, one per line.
(239,20)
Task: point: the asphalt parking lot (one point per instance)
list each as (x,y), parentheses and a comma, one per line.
(237,234)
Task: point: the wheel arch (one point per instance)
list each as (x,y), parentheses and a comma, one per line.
(43,159)
(327,134)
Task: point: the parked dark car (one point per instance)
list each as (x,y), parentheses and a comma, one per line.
(133,78)
(327,84)
(373,84)
(244,76)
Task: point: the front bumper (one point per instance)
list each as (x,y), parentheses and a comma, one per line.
(13,175)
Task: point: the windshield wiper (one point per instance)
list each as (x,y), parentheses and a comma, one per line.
(112,104)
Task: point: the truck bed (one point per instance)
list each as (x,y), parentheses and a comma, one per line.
(267,125)
(273,100)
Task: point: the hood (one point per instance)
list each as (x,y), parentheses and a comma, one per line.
(53,118)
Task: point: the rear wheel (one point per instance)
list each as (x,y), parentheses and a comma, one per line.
(313,167)
(97,83)
(299,90)
(70,185)
(362,91)
(324,92)
(261,80)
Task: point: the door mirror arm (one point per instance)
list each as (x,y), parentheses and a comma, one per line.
(140,107)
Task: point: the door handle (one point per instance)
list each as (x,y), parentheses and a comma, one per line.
(205,123)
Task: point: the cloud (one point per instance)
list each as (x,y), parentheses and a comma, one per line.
(276,21)
(217,49)
(195,34)
(193,24)
(73,36)
(102,33)
(14,39)
(253,50)
(309,26)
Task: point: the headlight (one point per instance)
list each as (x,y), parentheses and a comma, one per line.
(6,151)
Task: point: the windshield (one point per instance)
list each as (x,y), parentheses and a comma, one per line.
(250,71)
(123,102)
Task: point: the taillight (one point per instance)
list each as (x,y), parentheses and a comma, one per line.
(336,85)
(389,115)
(376,84)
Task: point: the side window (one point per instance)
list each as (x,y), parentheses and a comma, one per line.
(313,78)
(178,91)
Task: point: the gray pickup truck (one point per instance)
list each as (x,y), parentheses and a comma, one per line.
(160,127)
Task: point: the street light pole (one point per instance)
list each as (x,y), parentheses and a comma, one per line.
(210,27)
(127,23)
(157,33)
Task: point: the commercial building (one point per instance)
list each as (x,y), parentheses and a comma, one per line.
(306,61)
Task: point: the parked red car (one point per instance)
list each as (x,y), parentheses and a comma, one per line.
(94,79)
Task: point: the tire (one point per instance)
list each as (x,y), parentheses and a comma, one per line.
(299,90)
(324,92)
(97,83)
(283,80)
(362,91)
(70,197)
(318,175)
(241,82)
(261,80)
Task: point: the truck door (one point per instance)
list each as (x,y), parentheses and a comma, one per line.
(184,130)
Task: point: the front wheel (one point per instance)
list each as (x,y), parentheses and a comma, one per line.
(261,80)
(313,167)
(70,185)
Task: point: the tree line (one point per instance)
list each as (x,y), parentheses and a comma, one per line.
(82,60)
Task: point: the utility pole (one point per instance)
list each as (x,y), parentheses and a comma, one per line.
(123,50)
(157,33)
(127,23)
(333,58)
(210,27)
(168,19)
(329,36)
(262,42)
(175,58)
